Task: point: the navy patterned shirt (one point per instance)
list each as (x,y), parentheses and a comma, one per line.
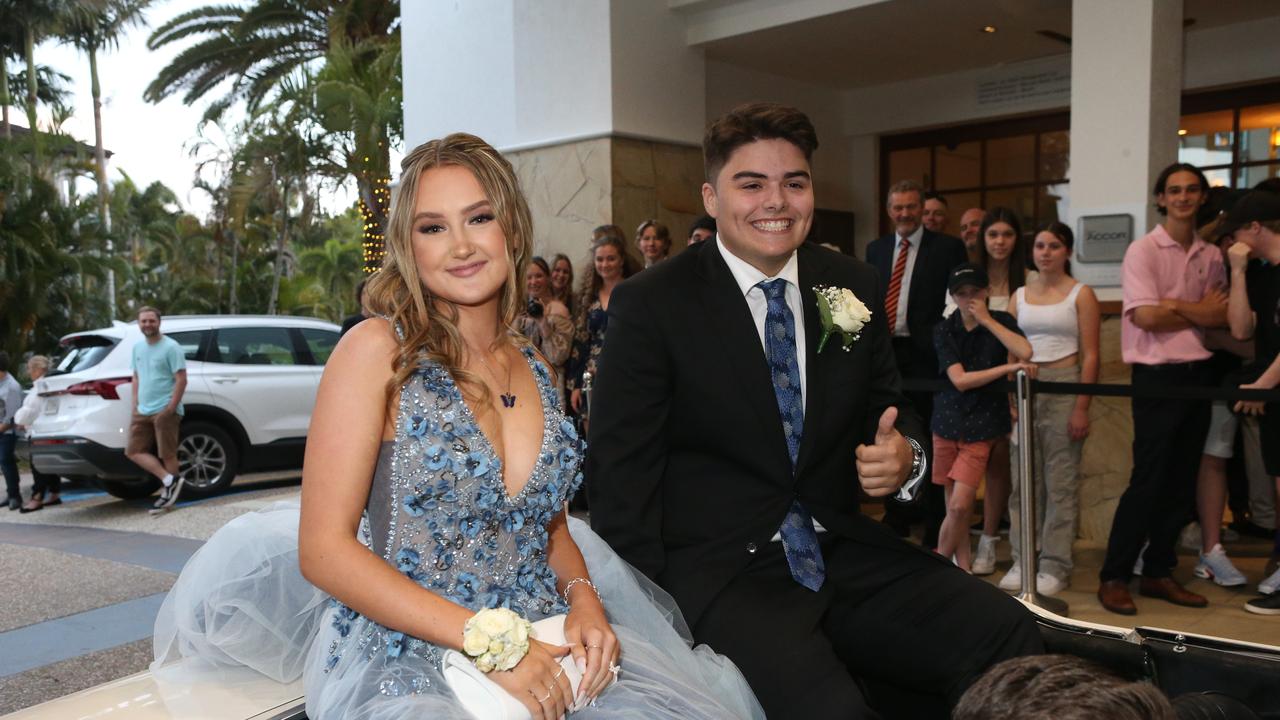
(981,413)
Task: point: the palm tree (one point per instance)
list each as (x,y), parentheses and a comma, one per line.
(37,19)
(93,25)
(255,48)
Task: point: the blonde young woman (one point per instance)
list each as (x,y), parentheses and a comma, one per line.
(1061,318)
(438,467)
(562,280)
(46,488)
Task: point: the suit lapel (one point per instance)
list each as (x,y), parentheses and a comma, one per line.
(811,273)
(732,321)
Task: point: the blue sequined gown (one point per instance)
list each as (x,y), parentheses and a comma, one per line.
(439,512)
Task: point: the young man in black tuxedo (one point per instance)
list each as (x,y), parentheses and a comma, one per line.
(914,262)
(727,454)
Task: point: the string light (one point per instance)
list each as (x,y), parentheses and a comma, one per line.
(374,242)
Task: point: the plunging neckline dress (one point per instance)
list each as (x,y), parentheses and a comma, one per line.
(439,513)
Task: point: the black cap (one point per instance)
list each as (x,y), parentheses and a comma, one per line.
(967,274)
(1257,206)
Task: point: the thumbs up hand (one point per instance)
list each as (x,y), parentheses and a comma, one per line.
(883,467)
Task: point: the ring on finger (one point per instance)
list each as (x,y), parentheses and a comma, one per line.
(615,669)
(593,647)
(558,674)
(544,699)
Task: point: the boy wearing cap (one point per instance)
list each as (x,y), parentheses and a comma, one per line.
(1254,312)
(974,346)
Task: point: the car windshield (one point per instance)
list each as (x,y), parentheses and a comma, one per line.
(83,352)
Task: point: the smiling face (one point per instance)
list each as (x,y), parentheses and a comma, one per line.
(1049,253)
(1183,195)
(561,275)
(1000,238)
(458,247)
(970,226)
(762,200)
(935,216)
(535,281)
(652,247)
(905,210)
(608,262)
(149,324)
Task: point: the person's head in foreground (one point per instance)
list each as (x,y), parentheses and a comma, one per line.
(702,229)
(1059,687)
(759,187)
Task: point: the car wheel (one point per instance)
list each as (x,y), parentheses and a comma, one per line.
(207,459)
(131,489)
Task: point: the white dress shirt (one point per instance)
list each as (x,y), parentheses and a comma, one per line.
(915,238)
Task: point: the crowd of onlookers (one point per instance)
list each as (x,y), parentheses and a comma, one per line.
(1199,309)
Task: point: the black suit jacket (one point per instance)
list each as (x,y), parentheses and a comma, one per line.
(927,296)
(687,466)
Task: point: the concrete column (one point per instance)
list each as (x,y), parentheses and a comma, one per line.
(1126,87)
(599,105)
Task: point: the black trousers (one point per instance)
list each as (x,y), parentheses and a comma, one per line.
(1168,439)
(45,484)
(930,508)
(9,463)
(889,634)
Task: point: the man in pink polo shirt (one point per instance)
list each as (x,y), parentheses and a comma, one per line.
(1173,289)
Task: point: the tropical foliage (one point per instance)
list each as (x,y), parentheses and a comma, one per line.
(315,86)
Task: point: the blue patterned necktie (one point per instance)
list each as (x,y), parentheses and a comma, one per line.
(799,540)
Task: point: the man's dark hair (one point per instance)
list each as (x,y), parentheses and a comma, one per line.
(148,309)
(1163,179)
(706,222)
(1059,687)
(931,195)
(749,123)
(4,361)
(360,293)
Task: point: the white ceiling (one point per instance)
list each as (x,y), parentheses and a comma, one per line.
(903,39)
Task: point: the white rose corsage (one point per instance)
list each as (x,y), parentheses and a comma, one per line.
(841,312)
(496,639)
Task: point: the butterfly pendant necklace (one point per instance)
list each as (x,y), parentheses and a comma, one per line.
(508,400)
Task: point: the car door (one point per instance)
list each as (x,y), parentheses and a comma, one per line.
(192,343)
(317,345)
(257,374)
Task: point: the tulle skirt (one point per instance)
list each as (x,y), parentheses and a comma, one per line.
(242,601)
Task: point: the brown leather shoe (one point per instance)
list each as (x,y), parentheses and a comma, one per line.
(1114,596)
(1168,589)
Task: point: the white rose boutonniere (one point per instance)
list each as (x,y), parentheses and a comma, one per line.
(496,639)
(841,312)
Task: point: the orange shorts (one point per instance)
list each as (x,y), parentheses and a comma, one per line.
(159,431)
(960,461)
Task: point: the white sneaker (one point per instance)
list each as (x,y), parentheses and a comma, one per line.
(984,560)
(1217,566)
(1012,580)
(1047,584)
(1271,584)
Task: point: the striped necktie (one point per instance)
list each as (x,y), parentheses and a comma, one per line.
(895,285)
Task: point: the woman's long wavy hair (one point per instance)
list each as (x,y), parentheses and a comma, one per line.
(427,327)
(591,280)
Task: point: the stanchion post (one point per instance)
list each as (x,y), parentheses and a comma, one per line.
(586,395)
(1027,499)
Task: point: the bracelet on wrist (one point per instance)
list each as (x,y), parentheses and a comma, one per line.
(581,581)
(496,639)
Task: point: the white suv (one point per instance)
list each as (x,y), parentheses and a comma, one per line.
(251,386)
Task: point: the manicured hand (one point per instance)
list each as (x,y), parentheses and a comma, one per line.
(595,646)
(538,681)
(883,466)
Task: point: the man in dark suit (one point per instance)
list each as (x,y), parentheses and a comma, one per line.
(913,263)
(727,454)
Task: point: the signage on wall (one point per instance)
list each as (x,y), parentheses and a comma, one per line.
(1103,238)
(1030,86)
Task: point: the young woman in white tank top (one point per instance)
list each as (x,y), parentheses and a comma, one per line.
(1061,320)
